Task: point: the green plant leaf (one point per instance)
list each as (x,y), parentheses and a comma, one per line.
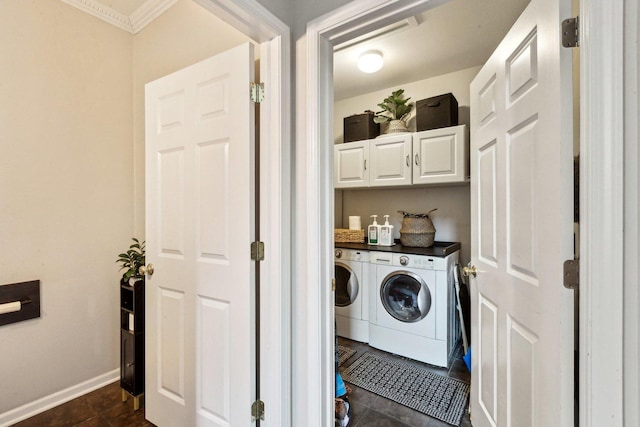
(132,259)
(393,107)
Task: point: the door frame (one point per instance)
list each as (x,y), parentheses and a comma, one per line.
(601,165)
(602,184)
(259,24)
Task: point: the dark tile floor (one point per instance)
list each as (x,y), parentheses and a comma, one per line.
(101,408)
(371,410)
(104,407)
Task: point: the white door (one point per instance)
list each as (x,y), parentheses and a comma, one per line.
(200,343)
(390,160)
(522,213)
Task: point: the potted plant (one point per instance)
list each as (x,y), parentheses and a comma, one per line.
(131,261)
(395,110)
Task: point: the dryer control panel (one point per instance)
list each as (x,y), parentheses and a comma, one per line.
(351,255)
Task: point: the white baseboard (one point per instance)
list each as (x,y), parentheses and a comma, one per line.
(33,408)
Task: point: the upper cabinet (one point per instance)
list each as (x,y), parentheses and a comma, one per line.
(438,156)
(350,164)
(390,160)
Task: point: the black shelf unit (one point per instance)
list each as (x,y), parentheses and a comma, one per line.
(132,339)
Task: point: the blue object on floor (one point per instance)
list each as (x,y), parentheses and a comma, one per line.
(341,390)
(467,359)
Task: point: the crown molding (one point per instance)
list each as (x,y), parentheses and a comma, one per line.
(149,11)
(133,24)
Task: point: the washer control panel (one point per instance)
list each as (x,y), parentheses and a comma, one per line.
(422,262)
(351,255)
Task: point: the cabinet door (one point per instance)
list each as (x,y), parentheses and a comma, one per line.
(390,160)
(127,361)
(132,362)
(440,155)
(351,164)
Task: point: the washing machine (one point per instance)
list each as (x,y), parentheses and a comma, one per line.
(352,294)
(412,311)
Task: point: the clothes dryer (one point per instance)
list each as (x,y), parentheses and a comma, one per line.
(412,311)
(352,294)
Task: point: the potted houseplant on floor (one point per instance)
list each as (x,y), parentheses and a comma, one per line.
(131,261)
(395,111)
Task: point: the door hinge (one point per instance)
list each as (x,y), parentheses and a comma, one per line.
(571,274)
(257,411)
(333,284)
(571,32)
(257,251)
(257,92)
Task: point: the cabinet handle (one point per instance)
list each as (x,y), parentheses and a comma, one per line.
(416,158)
(365,164)
(408,164)
(130,364)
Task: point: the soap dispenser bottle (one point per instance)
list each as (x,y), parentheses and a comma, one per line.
(386,233)
(374,231)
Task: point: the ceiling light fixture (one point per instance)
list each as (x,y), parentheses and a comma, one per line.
(370,61)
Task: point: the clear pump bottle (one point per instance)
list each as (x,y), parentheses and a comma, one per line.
(386,233)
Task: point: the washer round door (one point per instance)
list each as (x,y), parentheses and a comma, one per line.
(347,285)
(405,296)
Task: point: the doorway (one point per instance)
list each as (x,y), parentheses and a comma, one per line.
(321,36)
(356,92)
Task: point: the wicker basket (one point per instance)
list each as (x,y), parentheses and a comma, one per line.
(345,235)
(417,240)
(417,230)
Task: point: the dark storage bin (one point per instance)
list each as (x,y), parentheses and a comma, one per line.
(360,127)
(437,112)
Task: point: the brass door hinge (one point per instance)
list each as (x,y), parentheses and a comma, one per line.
(571,274)
(257,92)
(571,32)
(257,411)
(257,251)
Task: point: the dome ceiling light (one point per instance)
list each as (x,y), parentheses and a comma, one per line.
(370,61)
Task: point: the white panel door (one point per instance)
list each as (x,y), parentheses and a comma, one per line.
(521,213)
(390,160)
(200,343)
(351,164)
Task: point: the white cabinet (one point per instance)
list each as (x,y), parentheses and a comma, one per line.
(380,162)
(390,160)
(438,156)
(350,164)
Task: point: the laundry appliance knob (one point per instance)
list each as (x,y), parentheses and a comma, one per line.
(404,260)
(338,253)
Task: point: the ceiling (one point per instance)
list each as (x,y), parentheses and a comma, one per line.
(457,35)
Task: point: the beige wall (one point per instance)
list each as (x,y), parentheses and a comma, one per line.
(452,219)
(66,192)
(72,176)
(182,36)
